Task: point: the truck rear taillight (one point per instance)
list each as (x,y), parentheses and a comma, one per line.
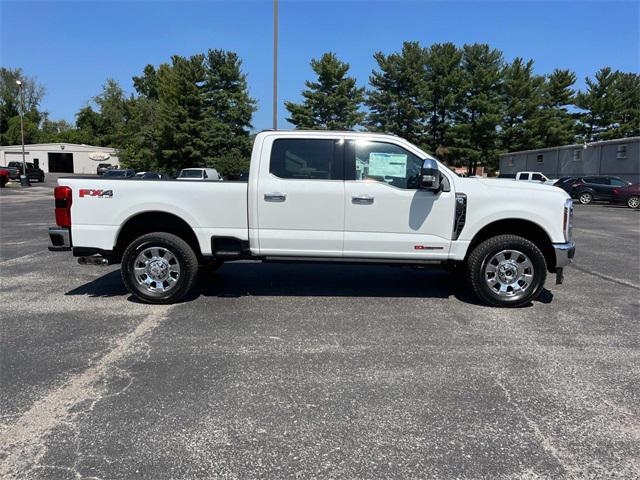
(63,196)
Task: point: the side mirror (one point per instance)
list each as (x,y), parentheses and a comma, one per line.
(430,175)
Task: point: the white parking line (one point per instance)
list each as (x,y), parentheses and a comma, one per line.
(24,441)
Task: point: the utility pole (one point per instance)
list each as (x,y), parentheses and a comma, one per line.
(275,64)
(24,178)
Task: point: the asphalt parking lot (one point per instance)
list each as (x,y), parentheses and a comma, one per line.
(281,371)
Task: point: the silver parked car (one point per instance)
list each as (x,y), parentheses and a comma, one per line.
(205,174)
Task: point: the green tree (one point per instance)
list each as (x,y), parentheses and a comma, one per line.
(610,105)
(13,134)
(627,94)
(332,102)
(397,98)
(227,113)
(106,125)
(522,98)
(140,149)
(179,113)
(553,125)
(114,113)
(10,106)
(195,111)
(474,138)
(442,94)
(599,105)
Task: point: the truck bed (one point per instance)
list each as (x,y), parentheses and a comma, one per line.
(101,207)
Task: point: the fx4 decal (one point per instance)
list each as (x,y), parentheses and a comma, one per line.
(95,193)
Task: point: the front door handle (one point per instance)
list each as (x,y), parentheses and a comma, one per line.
(362,199)
(275,197)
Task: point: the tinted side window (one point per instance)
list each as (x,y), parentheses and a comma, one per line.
(616,182)
(305,159)
(524,176)
(383,162)
(590,180)
(536,176)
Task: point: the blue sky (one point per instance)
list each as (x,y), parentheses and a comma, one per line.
(72,47)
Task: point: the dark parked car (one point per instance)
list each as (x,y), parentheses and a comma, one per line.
(565,183)
(103,167)
(629,195)
(124,173)
(33,172)
(596,187)
(151,176)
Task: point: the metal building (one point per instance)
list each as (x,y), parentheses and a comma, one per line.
(61,157)
(619,157)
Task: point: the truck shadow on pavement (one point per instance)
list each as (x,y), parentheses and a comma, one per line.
(235,280)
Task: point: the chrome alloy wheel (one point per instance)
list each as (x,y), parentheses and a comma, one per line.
(633,202)
(509,273)
(156,269)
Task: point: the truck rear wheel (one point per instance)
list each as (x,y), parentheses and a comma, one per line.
(159,268)
(507,271)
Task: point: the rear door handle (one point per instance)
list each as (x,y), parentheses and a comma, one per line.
(362,199)
(275,197)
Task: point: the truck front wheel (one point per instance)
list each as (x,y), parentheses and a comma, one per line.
(507,271)
(159,268)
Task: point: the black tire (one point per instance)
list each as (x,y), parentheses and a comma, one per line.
(185,258)
(484,253)
(585,198)
(633,201)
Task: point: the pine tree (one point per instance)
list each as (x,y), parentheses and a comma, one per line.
(397,98)
(226,118)
(599,105)
(610,104)
(332,102)
(474,138)
(194,112)
(442,94)
(627,100)
(522,97)
(179,113)
(553,125)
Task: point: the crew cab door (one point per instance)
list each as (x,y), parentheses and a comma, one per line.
(386,214)
(300,196)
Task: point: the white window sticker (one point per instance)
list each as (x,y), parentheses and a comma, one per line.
(388,165)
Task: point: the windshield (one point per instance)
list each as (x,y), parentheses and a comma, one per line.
(191,174)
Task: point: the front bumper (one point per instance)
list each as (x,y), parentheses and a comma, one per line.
(60,239)
(564,253)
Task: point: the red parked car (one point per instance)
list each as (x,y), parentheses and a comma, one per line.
(4,176)
(629,195)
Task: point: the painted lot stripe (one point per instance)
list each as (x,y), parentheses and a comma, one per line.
(606,277)
(23,441)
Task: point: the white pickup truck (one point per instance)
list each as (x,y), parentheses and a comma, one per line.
(533,177)
(328,196)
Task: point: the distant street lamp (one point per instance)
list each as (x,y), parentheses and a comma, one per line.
(24,179)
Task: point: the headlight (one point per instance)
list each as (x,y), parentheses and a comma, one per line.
(567,222)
